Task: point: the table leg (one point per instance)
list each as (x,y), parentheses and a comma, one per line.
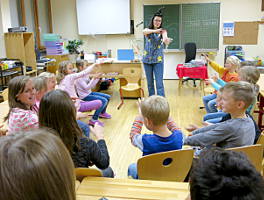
(202,86)
(180,85)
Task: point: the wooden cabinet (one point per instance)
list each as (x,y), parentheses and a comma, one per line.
(22,46)
(58,58)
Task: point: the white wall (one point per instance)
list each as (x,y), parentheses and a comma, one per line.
(65,23)
(5,22)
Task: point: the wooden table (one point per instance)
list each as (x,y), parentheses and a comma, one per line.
(192,72)
(4,108)
(112,188)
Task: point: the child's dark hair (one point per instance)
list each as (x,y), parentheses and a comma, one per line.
(157,14)
(222,174)
(57,111)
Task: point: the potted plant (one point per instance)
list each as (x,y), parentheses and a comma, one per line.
(73,48)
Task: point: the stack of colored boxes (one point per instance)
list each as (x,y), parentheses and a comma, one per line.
(53,44)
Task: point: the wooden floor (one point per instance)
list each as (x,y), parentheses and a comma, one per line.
(184,109)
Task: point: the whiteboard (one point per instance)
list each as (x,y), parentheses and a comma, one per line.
(103,16)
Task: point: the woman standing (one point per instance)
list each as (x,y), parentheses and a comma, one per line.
(155,37)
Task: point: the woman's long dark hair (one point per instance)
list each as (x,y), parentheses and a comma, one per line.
(151,25)
(58,112)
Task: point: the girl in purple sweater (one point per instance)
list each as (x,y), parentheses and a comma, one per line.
(84,89)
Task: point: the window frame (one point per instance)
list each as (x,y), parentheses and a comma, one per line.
(36,19)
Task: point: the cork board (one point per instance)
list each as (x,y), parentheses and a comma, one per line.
(245,33)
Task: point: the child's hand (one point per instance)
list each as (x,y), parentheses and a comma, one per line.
(158,30)
(207,123)
(98,75)
(215,78)
(97,131)
(206,57)
(191,127)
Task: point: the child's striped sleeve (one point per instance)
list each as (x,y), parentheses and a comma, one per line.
(136,127)
(171,125)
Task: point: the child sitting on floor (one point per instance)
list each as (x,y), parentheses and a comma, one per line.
(227,73)
(84,88)
(154,114)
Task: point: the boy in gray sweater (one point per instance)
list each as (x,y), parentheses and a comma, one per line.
(239,130)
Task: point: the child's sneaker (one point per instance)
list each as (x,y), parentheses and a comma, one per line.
(92,122)
(105,115)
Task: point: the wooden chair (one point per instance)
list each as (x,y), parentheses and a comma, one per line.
(83,172)
(261,139)
(132,77)
(254,154)
(166,166)
(4,94)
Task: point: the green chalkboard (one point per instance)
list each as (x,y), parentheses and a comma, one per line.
(200,24)
(171,15)
(197,23)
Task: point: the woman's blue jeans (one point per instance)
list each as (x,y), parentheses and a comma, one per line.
(151,70)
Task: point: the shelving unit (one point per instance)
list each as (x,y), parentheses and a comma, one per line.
(22,46)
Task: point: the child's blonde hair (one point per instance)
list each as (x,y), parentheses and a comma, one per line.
(79,64)
(62,70)
(241,91)
(40,83)
(47,75)
(155,108)
(251,75)
(233,60)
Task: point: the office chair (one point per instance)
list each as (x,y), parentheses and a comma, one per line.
(190,54)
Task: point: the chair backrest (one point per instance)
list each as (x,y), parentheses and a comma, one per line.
(132,75)
(83,172)
(261,139)
(254,154)
(166,166)
(190,51)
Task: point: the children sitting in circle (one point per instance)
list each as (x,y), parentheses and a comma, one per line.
(84,86)
(66,78)
(227,73)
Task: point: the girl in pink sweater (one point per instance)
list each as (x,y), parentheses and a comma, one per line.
(21,98)
(84,88)
(66,78)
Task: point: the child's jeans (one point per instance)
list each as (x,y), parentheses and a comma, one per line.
(104,98)
(214,117)
(132,171)
(210,103)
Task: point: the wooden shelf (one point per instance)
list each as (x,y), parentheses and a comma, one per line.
(21,46)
